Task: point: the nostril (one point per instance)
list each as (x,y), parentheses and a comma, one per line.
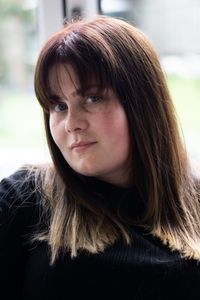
(77,123)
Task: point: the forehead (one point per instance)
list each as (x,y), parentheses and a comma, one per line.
(63,79)
(61,76)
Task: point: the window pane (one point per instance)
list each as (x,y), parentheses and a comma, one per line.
(21,133)
(174,28)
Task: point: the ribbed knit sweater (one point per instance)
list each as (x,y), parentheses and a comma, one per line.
(146,269)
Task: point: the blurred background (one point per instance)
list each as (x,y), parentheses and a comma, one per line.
(173,26)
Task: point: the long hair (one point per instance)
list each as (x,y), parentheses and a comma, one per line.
(122,58)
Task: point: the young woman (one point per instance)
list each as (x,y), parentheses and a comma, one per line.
(117,213)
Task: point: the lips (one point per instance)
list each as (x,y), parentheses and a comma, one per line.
(81,145)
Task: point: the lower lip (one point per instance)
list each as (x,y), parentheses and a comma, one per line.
(83,147)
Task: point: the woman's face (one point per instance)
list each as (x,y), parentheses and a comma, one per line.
(89,128)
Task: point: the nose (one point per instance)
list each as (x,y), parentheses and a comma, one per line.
(75,120)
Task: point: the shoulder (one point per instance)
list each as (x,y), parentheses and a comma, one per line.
(19,216)
(28,178)
(17,186)
(20,194)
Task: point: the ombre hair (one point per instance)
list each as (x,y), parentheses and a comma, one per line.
(120,57)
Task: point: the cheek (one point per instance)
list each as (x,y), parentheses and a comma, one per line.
(118,124)
(115,127)
(55,130)
(52,127)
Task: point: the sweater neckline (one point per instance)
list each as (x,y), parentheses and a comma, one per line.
(125,201)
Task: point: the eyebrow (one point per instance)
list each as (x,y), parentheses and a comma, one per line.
(78,91)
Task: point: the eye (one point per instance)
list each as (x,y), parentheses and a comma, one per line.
(60,107)
(93,99)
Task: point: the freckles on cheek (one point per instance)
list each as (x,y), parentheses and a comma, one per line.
(118,123)
(108,121)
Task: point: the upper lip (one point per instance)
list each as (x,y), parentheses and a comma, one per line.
(81,143)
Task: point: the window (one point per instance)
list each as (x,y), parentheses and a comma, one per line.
(21,133)
(172,25)
(174,28)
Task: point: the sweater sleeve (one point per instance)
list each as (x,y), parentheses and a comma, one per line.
(17,215)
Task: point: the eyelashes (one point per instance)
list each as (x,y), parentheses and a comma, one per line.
(88,102)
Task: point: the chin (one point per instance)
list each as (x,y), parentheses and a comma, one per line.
(90,172)
(87,173)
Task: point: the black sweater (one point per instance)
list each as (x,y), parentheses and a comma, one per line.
(144,270)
